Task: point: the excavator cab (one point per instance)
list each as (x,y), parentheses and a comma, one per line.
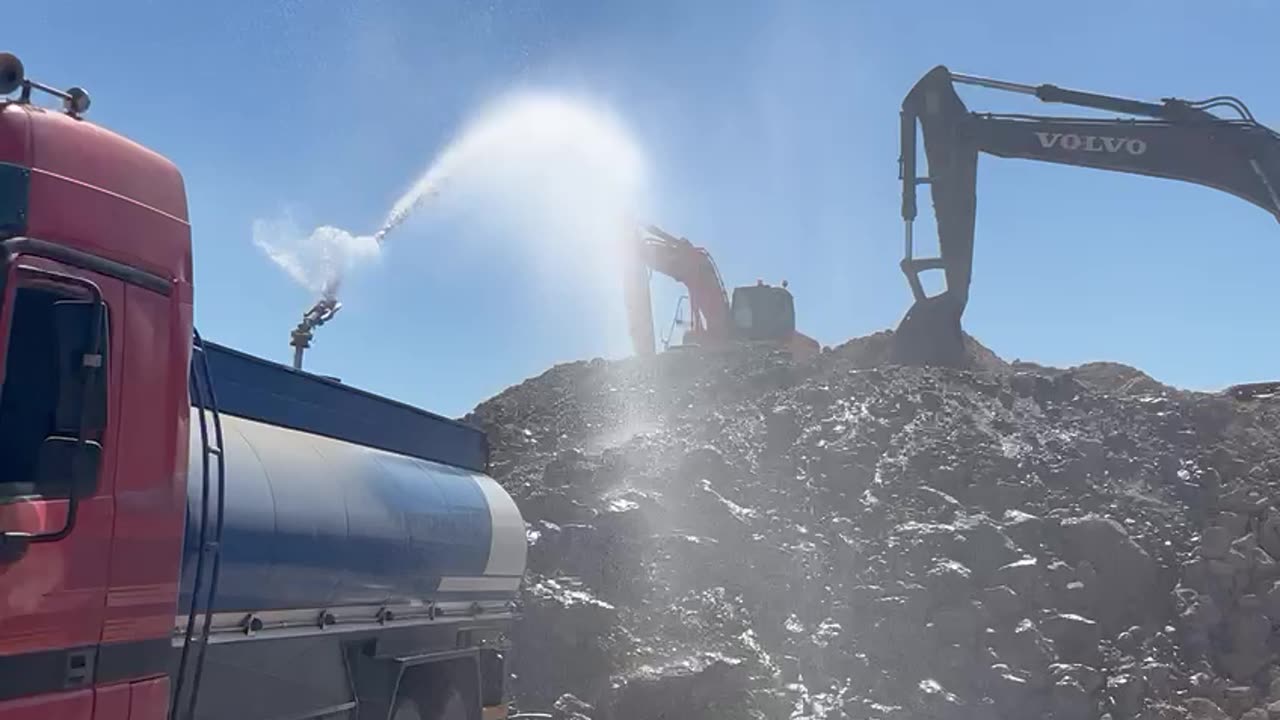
(762,312)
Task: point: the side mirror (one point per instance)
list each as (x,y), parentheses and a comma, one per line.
(63,462)
(80,327)
(69,463)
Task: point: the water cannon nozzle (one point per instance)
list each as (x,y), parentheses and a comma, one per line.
(317,315)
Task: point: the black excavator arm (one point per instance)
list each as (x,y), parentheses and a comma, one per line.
(1173,139)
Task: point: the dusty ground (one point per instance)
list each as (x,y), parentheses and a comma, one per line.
(734,536)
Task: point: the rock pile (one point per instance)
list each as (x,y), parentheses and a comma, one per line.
(735,536)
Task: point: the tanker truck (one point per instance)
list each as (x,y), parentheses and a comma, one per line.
(190,532)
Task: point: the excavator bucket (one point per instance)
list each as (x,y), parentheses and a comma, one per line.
(930,333)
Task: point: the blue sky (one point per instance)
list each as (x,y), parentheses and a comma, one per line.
(771,128)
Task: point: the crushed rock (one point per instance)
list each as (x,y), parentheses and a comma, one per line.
(733,535)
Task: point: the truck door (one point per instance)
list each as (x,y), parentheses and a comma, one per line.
(152,440)
(54,407)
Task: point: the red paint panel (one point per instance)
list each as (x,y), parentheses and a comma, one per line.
(112,702)
(150,699)
(146,551)
(129,202)
(152,625)
(76,705)
(15,136)
(107,225)
(55,596)
(99,157)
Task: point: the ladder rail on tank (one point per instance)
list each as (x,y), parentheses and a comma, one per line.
(205,401)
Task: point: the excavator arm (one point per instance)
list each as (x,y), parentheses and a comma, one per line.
(1174,139)
(686,263)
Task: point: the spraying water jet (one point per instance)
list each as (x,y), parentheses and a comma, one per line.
(554,174)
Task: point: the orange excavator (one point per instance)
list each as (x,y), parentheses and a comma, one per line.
(757,314)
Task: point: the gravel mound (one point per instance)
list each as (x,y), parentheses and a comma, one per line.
(731,535)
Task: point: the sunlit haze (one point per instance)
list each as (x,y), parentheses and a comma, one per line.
(767,133)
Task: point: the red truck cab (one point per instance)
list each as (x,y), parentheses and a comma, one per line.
(92,226)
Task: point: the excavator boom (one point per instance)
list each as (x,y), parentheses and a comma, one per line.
(639,302)
(658,251)
(1179,140)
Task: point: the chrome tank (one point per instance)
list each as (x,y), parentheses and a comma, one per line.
(316,523)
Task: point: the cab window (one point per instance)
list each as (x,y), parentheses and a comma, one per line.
(35,382)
